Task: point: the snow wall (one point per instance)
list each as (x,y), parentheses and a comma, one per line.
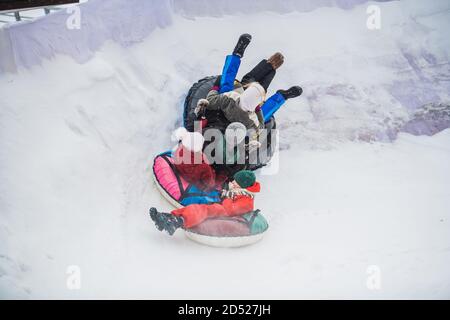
(125,22)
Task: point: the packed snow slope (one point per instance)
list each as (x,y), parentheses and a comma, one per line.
(354,200)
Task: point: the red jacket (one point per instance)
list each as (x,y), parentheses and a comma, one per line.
(194,168)
(241,204)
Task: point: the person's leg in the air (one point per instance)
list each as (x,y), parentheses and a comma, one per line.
(258,73)
(232,63)
(264,71)
(229,73)
(267,79)
(272,105)
(277,100)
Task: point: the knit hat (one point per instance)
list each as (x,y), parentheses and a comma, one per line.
(252,97)
(192,141)
(245,178)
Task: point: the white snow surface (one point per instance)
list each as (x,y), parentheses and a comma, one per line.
(78,140)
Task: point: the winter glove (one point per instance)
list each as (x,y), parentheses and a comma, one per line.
(202,104)
(253,145)
(233,193)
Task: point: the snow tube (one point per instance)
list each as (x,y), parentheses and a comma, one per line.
(230,232)
(199,91)
(235,231)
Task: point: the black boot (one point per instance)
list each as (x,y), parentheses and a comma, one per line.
(166,221)
(242,44)
(292,92)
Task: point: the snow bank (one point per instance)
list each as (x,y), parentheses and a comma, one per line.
(429,120)
(29,43)
(123,21)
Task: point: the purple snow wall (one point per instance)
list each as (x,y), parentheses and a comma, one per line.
(123,21)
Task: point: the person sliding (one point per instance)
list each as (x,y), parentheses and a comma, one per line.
(237,200)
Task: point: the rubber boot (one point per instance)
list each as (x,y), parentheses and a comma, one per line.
(242,44)
(292,92)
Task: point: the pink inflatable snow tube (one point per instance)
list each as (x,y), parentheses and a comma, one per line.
(166,177)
